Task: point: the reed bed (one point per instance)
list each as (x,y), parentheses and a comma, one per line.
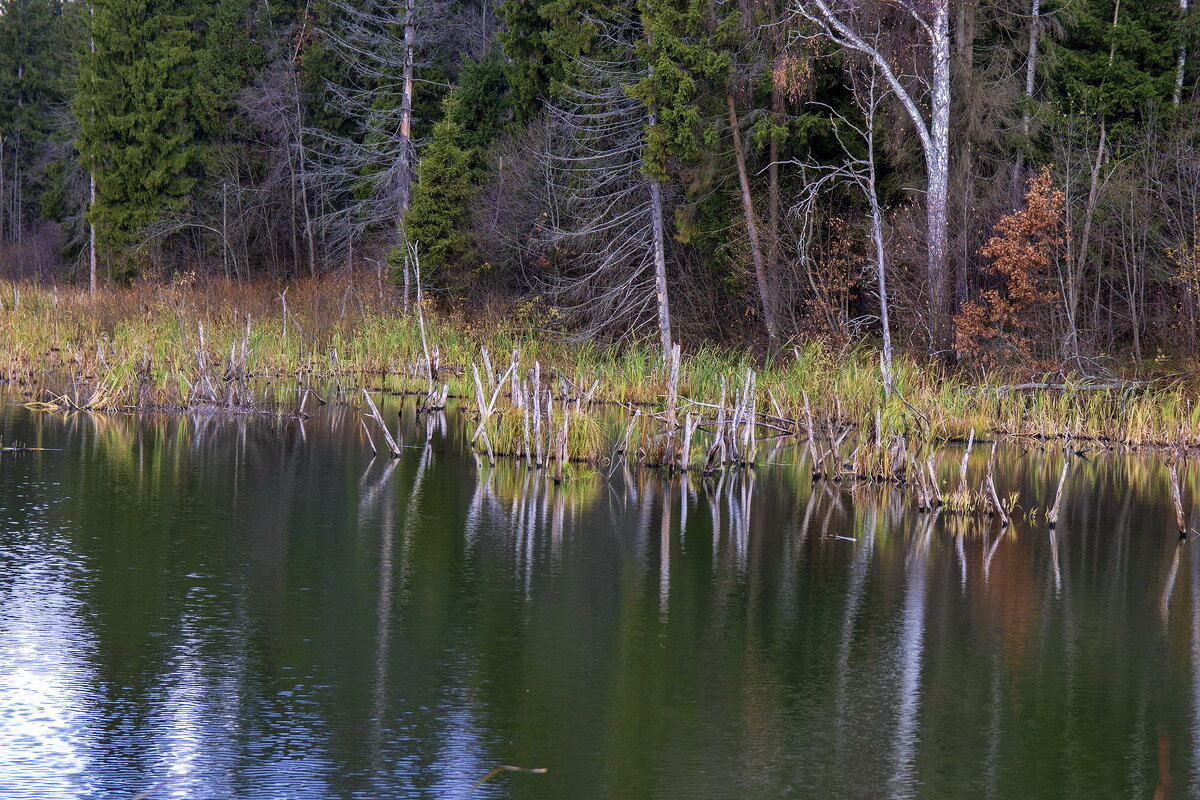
(182,344)
(190,345)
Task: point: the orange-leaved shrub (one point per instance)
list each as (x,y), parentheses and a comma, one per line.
(997,328)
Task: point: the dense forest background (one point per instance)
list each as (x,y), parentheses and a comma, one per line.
(992,180)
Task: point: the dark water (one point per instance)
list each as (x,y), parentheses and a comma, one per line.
(245,607)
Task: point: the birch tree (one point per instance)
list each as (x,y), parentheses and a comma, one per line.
(1181,59)
(925,98)
(858,170)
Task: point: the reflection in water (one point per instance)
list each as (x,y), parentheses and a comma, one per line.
(47,714)
(1195,675)
(253,607)
(911,648)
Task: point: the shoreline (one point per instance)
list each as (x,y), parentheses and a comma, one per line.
(180,347)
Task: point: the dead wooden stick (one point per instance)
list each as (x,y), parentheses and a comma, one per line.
(1176,496)
(962,468)
(387,435)
(1052,517)
(991,487)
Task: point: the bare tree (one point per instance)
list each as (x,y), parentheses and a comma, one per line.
(381,46)
(925,99)
(605,222)
(858,170)
(756,250)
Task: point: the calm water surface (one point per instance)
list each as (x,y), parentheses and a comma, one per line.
(249,607)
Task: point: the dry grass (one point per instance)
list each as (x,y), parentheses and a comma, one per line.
(141,346)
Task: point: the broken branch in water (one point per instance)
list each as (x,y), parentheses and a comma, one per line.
(387,435)
(506,768)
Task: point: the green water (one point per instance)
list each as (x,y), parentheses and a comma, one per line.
(249,607)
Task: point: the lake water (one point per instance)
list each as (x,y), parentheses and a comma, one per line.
(251,607)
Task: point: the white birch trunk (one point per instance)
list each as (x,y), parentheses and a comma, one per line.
(660,266)
(880,255)
(938,165)
(406,102)
(1035,13)
(91,236)
(1181,62)
(934,131)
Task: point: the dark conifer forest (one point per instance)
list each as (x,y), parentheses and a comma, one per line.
(993,181)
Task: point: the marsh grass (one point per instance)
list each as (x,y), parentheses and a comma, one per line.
(140,346)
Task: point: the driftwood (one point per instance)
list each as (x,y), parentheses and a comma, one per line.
(393,448)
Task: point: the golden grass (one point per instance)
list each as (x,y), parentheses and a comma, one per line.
(140,346)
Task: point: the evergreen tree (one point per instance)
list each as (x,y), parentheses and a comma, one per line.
(132,104)
(541,38)
(226,58)
(30,86)
(480,104)
(452,163)
(1114,61)
(440,196)
(687,68)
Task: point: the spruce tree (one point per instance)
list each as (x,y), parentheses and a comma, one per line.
(440,196)
(480,104)
(30,87)
(1113,61)
(132,106)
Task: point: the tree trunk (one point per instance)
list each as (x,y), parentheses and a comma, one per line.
(660,266)
(880,254)
(934,133)
(964,87)
(773,195)
(760,272)
(304,200)
(1075,276)
(3,193)
(404,187)
(91,235)
(1181,62)
(938,165)
(1035,13)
